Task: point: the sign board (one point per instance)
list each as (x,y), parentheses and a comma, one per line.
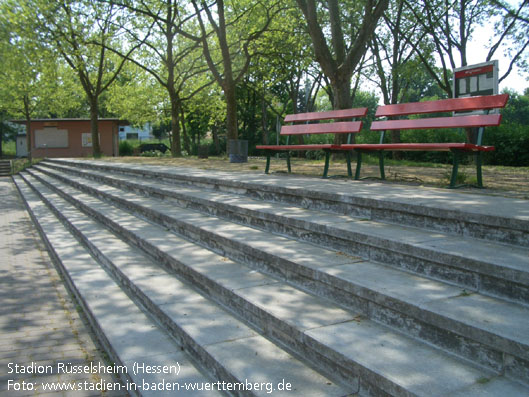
(86,139)
(474,80)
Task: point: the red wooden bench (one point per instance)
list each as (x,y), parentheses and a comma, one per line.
(475,121)
(300,126)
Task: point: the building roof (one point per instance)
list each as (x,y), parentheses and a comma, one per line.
(119,121)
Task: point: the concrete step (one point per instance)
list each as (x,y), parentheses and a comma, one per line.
(430,372)
(128,335)
(420,307)
(204,329)
(485,217)
(5,167)
(476,265)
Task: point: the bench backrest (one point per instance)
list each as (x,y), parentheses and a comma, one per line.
(468,104)
(339,127)
(444,105)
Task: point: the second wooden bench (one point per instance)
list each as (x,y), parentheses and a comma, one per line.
(308,124)
(395,121)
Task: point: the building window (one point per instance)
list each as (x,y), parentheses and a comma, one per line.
(51,137)
(132,135)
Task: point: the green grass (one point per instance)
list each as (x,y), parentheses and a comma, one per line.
(9,149)
(373,160)
(22,164)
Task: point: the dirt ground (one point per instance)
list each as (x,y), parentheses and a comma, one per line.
(503,181)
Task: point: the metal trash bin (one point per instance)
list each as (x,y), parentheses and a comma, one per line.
(238,150)
(203,151)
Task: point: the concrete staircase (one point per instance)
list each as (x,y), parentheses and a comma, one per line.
(5,167)
(326,288)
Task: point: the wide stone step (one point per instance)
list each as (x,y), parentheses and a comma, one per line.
(485,217)
(128,335)
(473,264)
(208,332)
(421,307)
(442,315)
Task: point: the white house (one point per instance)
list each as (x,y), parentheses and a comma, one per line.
(130,132)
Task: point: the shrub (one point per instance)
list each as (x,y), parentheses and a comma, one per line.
(125,148)
(154,153)
(511,141)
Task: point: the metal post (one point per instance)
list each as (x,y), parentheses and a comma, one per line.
(455,168)
(478,169)
(327,158)
(358,165)
(381,164)
(348,159)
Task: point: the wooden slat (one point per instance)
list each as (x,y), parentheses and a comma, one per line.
(415,146)
(295,147)
(342,127)
(444,105)
(330,115)
(481,120)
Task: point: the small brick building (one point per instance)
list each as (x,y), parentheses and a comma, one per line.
(71,137)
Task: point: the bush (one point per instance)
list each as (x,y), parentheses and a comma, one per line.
(314,154)
(125,148)
(154,153)
(511,142)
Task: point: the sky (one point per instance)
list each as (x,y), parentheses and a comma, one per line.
(477,52)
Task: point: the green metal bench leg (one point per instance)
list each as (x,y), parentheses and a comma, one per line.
(267,168)
(358,165)
(455,168)
(327,159)
(381,165)
(479,175)
(348,159)
(288,162)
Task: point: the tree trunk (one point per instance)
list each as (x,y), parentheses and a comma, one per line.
(94,127)
(231,112)
(28,137)
(28,127)
(176,145)
(342,100)
(187,144)
(214,131)
(264,119)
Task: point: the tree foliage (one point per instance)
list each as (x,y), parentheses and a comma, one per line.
(208,71)
(32,82)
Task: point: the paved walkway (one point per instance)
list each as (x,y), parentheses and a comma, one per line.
(39,325)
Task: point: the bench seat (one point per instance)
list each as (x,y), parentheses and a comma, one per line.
(438,147)
(296,147)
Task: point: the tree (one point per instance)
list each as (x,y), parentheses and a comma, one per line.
(32,82)
(351,26)
(74,28)
(513,27)
(277,73)
(167,54)
(449,26)
(228,33)
(137,97)
(7,132)
(396,64)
